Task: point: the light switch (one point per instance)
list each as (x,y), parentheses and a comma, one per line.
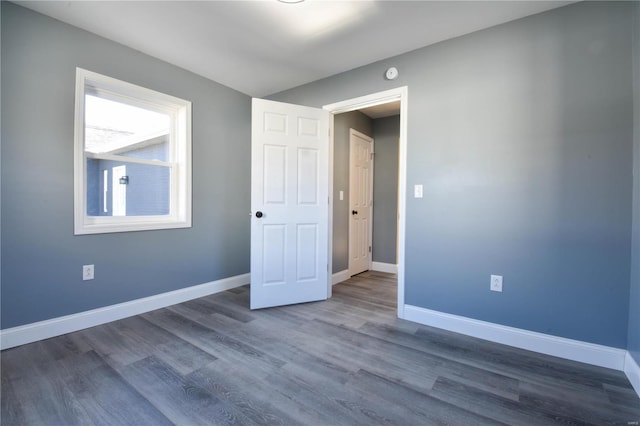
(417,191)
(341,195)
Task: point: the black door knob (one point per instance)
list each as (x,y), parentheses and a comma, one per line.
(258,215)
(354,211)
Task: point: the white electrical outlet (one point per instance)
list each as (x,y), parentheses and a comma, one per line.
(496,283)
(87,272)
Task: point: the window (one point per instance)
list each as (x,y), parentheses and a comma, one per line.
(132,157)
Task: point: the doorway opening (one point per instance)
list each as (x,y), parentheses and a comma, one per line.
(391,98)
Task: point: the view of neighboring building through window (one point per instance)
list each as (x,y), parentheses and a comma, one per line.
(119,187)
(132,157)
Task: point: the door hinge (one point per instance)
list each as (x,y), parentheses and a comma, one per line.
(369,249)
(372,155)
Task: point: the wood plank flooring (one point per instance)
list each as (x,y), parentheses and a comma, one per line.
(345,361)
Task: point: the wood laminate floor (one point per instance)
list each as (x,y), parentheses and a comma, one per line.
(345,361)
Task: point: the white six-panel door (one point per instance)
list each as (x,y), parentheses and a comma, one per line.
(360,201)
(289,204)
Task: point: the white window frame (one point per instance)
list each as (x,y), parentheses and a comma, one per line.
(180,156)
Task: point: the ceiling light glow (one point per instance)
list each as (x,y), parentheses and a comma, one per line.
(320,18)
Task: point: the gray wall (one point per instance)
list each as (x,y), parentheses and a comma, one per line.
(634,295)
(522,137)
(41,258)
(386,132)
(341,125)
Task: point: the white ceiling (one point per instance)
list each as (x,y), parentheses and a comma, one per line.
(262,47)
(382,110)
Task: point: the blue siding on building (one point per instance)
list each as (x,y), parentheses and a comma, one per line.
(158,151)
(94,187)
(148,189)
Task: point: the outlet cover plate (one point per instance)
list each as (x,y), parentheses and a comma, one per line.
(496,283)
(87,272)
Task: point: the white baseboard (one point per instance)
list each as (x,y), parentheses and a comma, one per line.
(28,333)
(338,277)
(632,370)
(390,268)
(575,350)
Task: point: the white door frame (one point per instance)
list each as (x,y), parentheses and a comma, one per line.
(398,94)
(352,133)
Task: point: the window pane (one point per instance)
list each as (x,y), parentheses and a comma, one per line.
(119,129)
(120,188)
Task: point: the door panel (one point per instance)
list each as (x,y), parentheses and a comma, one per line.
(273,265)
(307,256)
(308,184)
(274,174)
(290,188)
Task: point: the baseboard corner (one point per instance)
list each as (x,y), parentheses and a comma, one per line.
(632,370)
(339,277)
(390,268)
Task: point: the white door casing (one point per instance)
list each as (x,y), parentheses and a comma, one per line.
(398,94)
(360,201)
(290,189)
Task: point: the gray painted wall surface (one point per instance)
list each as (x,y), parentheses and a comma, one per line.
(634,295)
(386,132)
(341,125)
(522,136)
(41,258)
